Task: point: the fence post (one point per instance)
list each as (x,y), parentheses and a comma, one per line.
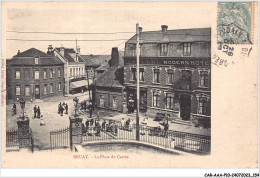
(24,132)
(75,131)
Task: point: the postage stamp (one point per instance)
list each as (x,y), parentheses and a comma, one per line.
(234,22)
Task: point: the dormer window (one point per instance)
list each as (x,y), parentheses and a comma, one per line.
(36,60)
(186,49)
(164,49)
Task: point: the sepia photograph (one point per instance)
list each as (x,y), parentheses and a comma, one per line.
(109,83)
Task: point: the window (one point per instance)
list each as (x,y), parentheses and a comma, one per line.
(155,99)
(51,73)
(132,48)
(169,101)
(70,72)
(203,106)
(18,90)
(59,86)
(141,74)
(45,73)
(114,102)
(102,101)
(37,74)
(27,90)
(45,89)
(170,76)
(76,71)
(156,74)
(133,71)
(59,72)
(203,79)
(73,72)
(17,74)
(26,74)
(186,75)
(164,49)
(36,60)
(186,49)
(79,72)
(51,88)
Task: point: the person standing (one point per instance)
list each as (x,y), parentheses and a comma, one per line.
(90,110)
(66,107)
(38,112)
(14,109)
(87,125)
(61,110)
(35,111)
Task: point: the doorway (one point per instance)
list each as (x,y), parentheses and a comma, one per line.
(37,91)
(185,107)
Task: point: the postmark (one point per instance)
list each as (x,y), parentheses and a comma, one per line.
(234,23)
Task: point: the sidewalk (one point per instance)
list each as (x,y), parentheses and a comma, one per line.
(106,114)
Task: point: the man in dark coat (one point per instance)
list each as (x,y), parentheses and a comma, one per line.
(14,109)
(87,125)
(66,107)
(38,112)
(35,111)
(59,108)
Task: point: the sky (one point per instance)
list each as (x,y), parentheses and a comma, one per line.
(94,17)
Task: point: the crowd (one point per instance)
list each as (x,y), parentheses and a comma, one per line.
(62,107)
(95,126)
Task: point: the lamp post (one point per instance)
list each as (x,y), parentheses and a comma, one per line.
(75,101)
(22,104)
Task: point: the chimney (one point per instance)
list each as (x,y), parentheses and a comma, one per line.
(115,57)
(164,28)
(50,49)
(140,29)
(78,50)
(18,52)
(62,50)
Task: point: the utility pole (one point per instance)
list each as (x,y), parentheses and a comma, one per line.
(137,84)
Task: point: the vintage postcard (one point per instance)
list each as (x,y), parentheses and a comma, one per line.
(129,84)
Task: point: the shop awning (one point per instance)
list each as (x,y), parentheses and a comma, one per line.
(78,84)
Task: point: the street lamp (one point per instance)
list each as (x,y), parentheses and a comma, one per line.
(22,104)
(75,101)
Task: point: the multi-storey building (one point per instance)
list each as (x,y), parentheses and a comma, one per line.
(174,72)
(74,69)
(34,74)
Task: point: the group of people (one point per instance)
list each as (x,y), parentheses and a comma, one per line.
(127,124)
(36,112)
(92,126)
(62,107)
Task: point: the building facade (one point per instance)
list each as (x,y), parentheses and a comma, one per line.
(108,89)
(74,69)
(34,74)
(175,73)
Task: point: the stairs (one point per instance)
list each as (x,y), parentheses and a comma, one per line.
(180,121)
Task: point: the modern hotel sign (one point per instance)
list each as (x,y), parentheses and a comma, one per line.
(186,63)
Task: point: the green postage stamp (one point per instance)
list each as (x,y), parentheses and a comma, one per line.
(235,22)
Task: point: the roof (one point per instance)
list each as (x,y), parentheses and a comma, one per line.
(31,53)
(95,60)
(28,58)
(70,55)
(103,67)
(180,35)
(111,78)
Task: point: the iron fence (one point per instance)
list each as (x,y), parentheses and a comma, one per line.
(198,144)
(12,138)
(60,139)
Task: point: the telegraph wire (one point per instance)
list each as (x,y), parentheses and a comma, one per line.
(71,33)
(13,39)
